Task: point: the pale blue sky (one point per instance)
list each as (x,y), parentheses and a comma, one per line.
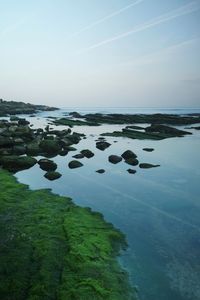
(101,53)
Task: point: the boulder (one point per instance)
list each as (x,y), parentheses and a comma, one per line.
(47,164)
(51,175)
(23,122)
(102,145)
(14,163)
(75,164)
(147,166)
(50,146)
(132,161)
(114,159)
(19,149)
(128,154)
(87,153)
(33,149)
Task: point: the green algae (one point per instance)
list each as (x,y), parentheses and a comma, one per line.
(53,249)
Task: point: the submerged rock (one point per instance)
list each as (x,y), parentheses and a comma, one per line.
(47,164)
(75,164)
(147,166)
(78,156)
(51,175)
(114,159)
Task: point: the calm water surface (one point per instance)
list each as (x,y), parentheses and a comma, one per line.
(158,209)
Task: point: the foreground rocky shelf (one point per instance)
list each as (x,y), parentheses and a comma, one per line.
(53,249)
(14,108)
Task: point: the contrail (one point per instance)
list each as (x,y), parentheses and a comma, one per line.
(181,11)
(143,203)
(110,16)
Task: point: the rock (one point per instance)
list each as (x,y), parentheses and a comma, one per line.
(71,148)
(87,153)
(23,122)
(132,161)
(163,129)
(135,127)
(75,164)
(50,146)
(63,152)
(51,175)
(78,156)
(100,171)
(102,145)
(131,171)
(14,118)
(147,166)
(19,149)
(148,149)
(128,154)
(75,114)
(6,141)
(114,159)
(14,163)
(47,164)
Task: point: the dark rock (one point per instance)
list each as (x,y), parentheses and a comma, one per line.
(135,127)
(23,122)
(75,114)
(47,165)
(163,129)
(50,146)
(128,154)
(78,156)
(100,171)
(114,159)
(75,164)
(63,152)
(87,153)
(132,161)
(131,171)
(51,175)
(147,166)
(15,163)
(102,145)
(148,149)
(19,149)
(6,141)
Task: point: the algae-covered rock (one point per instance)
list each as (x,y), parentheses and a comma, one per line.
(102,145)
(148,149)
(131,171)
(50,146)
(52,175)
(87,153)
(100,171)
(47,164)
(78,156)
(15,163)
(128,154)
(132,161)
(147,166)
(114,159)
(75,164)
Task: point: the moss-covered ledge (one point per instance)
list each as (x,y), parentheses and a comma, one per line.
(53,249)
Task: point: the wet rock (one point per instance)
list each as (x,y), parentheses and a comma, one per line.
(87,153)
(131,171)
(102,145)
(47,164)
(128,154)
(50,146)
(63,152)
(100,171)
(51,175)
(19,149)
(147,166)
(14,163)
(75,164)
(23,122)
(132,161)
(114,159)
(6,141)
(78,156)
(148,149)
(33,149)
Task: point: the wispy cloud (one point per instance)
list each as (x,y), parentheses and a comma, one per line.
(108,17)
(160,55)
(181,11)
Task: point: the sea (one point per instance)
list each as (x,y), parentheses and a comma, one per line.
(157,209)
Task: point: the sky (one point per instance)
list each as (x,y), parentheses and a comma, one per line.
(108,53)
